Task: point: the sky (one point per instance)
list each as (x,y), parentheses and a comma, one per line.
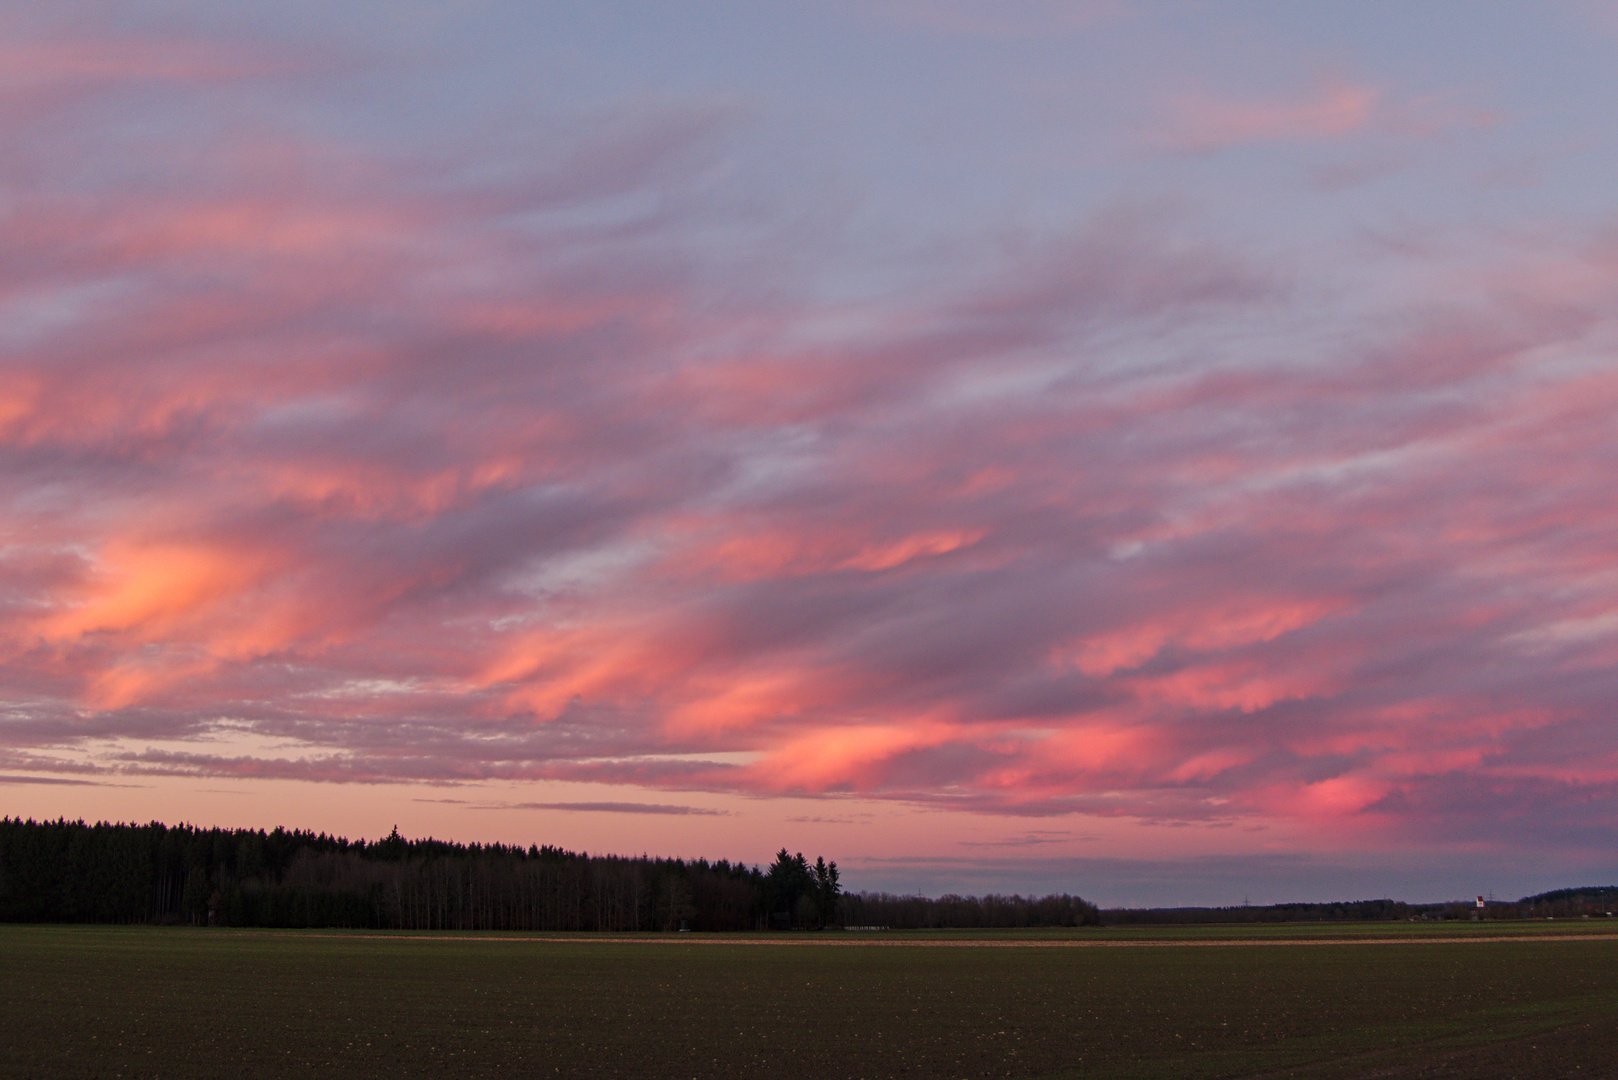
(1160,451)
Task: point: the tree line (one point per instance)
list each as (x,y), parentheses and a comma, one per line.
(967,912)
(1340,911)
(1587,902)
(68,871)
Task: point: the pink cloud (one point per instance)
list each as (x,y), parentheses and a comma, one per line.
(89,61)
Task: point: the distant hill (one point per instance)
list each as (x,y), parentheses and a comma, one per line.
(1585,901)
(1593,893)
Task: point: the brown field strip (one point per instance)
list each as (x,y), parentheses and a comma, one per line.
(940,943)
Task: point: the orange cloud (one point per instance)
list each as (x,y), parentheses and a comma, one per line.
(546,670)
(142,680)
(1203,628)
(608,660)
(1340,796)
(692,691)
(379,490)
(1247,686)
(842,757)
(146,591)
(19,399)
(772,552)
(1097,747)
(150,615)
(745,699)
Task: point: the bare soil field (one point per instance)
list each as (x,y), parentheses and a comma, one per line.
(1318,1001)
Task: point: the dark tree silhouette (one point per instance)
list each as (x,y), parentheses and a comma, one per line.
(65,871)
(68,871)
(786,883)
(826,892)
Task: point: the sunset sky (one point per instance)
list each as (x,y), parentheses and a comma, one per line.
(1164,451)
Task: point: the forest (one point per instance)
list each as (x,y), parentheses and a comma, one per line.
(70,871)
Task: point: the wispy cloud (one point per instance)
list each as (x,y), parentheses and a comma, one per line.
(1028,839)
(1332,109)
(53,780)
(615,808)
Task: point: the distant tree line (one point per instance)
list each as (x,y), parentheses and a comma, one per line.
(966,912)
(68,871)
(1343,911)
(1587,902)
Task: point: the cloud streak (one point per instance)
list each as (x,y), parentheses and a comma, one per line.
(51,780)
(620,808)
